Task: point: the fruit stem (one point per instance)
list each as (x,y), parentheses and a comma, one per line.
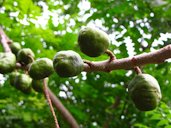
(50,102)
(89,63)
(138,70)
(111,55)
(31,57)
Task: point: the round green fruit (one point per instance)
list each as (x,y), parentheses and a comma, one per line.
(12,78)
(68,63)
(25,56)
(92,41)
(15,47)
(21,81)
(41,68)
(7,62)
(145,92)
(37,85)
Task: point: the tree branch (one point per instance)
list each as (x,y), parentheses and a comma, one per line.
(155,57)
(5,41)
(70,119)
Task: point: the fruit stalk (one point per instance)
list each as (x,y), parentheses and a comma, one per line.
(49,102)
(111,55)
(138,70)
(65,113)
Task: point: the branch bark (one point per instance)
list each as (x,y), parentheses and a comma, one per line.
(158,56)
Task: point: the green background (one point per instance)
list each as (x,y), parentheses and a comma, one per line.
(97,99)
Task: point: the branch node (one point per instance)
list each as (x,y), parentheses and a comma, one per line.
(134,60)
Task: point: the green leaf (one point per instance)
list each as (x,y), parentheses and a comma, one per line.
(162,122)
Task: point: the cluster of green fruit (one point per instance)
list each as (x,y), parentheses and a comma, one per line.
(144,89)
(93,42)
(37,70)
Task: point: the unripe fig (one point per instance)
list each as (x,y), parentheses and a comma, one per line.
(92,41)
(12,78)
(145,92)
(21,82)
(25,56)
(7,62)
(41,68)
(37,85)
(15,47)
(67,63)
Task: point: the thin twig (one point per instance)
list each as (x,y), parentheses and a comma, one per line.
(66,114)
(50,103)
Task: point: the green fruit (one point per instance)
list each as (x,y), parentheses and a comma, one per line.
(25,56)
(7,62)
(67,63)
(37,85)
(93,42)
(41,68)
(145,92)
(12,78)
(15,47)
(21,81)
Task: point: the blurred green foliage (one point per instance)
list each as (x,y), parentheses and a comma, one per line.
(48,26)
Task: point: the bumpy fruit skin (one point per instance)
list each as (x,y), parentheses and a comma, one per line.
(41,68)
(7,62)
(15,47)
(92,41)
(67,63)
(25,56)
(21,82)
(37,85)
(12,78)
(145,92)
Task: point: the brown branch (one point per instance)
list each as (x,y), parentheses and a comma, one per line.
(154,57)
(5,41)
(46,92)
(65,113)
